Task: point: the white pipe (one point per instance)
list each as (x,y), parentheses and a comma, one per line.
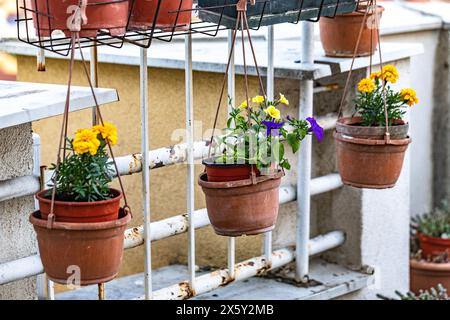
(190,200)
(326,183)
(40,57)
(231,88)
(246,269)
(146,172)
(270,96)
(134,237)
(304,159)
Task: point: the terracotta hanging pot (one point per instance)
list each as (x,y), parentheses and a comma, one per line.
(101,14)
(240,207)
(93,249)
(364,159)
(433,246)
(339,35)
(425,275)
(171,14)
(81,212)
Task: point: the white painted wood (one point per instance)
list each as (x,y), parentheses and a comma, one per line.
(22,102)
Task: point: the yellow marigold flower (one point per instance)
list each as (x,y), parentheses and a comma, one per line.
(366,85)
(273,112)
(243,105)
(108,132)
(85,141)
(283,99)
(258,99)
(409,96)
(375,75)
(390,73)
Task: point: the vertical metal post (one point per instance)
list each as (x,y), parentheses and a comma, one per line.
(44,286)
(40,60)
(101,291)
(190,156)
(94,78)
(232,96)
(145,147)
(270,96)
(304,159)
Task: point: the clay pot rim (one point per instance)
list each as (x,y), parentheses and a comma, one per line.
(81,226)
(202,181)
(370,142)
(350,121)
(118,193)
(429,266)
(209,162)
(433,239)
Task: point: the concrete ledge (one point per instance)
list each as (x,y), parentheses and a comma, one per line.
(332,281)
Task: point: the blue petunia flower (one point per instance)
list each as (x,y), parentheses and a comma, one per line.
(272,125)
(315,128)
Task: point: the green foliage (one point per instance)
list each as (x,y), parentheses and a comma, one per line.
(246,139)
(370,106)
(434,224)
(84,177)
(438,293)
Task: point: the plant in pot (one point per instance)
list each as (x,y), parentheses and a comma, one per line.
(430,250)
(51,15)
(162,14)
(350,34)
(241,181)
(80,222)
(434,293)
(371,144)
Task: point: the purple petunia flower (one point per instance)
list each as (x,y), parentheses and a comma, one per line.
(271,125)
(315,128)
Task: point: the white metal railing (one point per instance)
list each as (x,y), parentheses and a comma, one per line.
(194,219)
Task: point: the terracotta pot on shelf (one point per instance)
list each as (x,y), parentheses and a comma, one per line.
(94,250)
(172,14)
(425,275)
(363,158)
(433,246)
(241,207)
(339,35)
(81,212)
(105,14)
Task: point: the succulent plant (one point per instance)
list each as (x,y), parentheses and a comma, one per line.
(438,293)
(434,224)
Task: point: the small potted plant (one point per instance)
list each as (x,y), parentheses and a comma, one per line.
(339,35)
(368,157)
(241,182)
(171,14)
(87,226)
(97,14)
(434,293)
(430,250)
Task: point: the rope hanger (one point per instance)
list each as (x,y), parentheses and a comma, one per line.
(74,25)
(372,5)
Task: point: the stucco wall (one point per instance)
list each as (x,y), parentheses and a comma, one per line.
(167,113)
(16,233)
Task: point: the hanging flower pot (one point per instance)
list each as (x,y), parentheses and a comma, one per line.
(433,246)
(94,249)
(222,172)
(79,212)
(262,13)
(424,275)
(101,15)
(370,149)
(172,14)
(240,207)
(339,35)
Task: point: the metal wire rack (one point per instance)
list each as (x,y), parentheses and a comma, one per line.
(42,23)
